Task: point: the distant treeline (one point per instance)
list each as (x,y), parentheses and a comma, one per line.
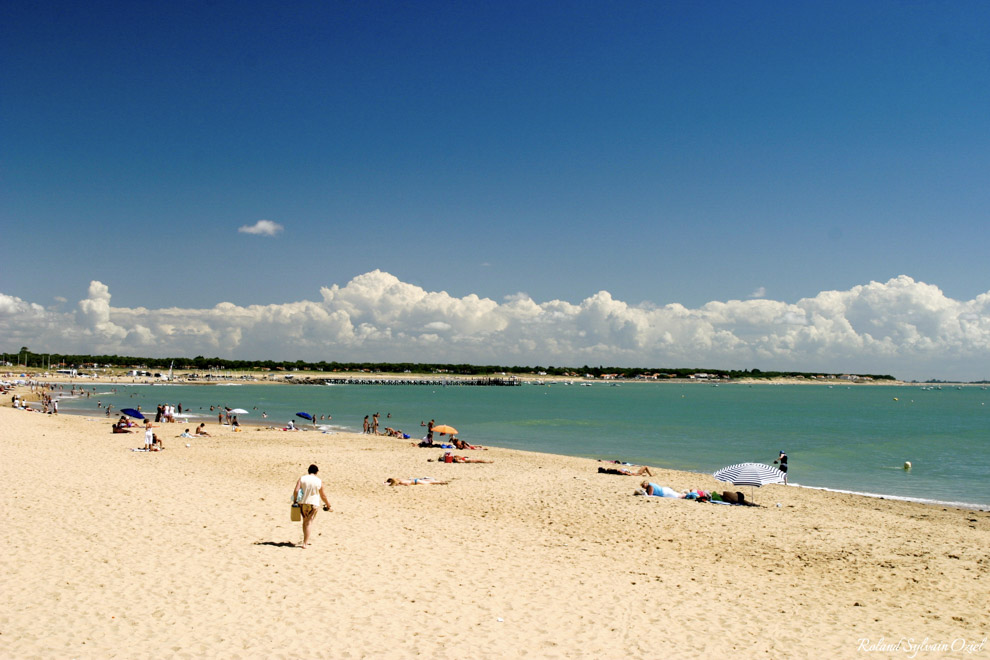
(204,364)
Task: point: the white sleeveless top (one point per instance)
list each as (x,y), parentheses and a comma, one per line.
(311,485)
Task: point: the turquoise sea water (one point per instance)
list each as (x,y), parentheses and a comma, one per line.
(843,438)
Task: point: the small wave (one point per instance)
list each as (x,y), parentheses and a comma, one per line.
(881,496)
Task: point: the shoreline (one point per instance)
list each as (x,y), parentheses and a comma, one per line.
(454,571)
(258,425)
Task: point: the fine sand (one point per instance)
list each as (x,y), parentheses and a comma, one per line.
(190,552)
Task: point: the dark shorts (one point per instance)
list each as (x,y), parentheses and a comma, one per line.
(307,509)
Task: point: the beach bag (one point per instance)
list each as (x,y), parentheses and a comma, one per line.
(296,515)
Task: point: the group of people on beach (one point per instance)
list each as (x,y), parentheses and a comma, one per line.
(49,404)
(20,403)
(650,489)
(48,394)
(152,441)
(372,426)
(123,425)
(454,442)
(166,413)
(308,491)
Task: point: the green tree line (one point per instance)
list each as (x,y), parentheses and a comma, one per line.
(28,358)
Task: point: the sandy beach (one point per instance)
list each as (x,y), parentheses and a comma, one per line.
(190,553)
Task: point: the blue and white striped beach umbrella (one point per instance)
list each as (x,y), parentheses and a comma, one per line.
(750,474)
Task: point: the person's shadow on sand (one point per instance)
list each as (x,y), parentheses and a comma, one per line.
(278,544)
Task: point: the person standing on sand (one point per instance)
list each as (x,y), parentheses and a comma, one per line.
(374,423)
(149,434)
(782,460)
(312,492)
(367,427)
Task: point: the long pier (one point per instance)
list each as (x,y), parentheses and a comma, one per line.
(435,382)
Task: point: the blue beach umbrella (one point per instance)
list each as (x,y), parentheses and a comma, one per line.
(305,415)
(131,412)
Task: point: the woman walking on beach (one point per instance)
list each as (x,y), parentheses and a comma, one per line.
(309,499)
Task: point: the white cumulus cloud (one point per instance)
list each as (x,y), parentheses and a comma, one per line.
(262,228)
(902,327)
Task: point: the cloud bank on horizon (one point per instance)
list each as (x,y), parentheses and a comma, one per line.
(906,328)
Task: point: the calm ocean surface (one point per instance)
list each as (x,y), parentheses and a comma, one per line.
(844,438)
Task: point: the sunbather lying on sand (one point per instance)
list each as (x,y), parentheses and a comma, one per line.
(421,481)
(654,490)
(628,470)
(451,458)
(460,444)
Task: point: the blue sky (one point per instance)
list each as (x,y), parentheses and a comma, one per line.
(666,153)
